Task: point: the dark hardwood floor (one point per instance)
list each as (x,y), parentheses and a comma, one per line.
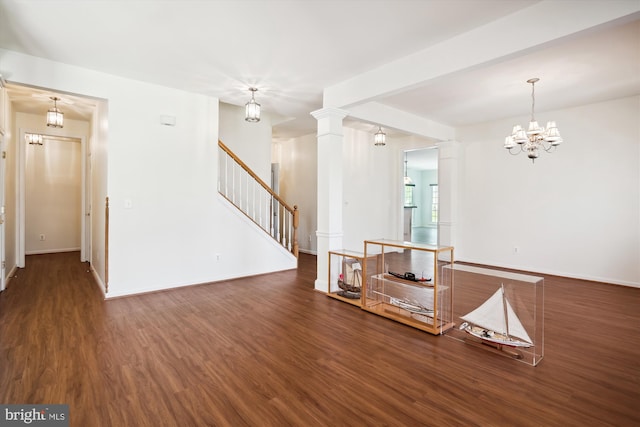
(271,351)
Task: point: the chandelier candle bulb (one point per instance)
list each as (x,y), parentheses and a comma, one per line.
(553,134)
(508,142)
(534,129)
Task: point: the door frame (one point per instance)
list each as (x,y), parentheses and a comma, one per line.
(85,227)
(3,263)
(419,209)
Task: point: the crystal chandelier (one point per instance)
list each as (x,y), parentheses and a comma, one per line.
(252,108)
(379,138)
(55,117)
(536,137)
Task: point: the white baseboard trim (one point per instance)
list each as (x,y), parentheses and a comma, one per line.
(52,251)
(10,276)
(605,280)
(99,281)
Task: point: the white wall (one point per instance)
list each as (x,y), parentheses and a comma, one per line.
(298,159)
(53,196)
(167,222)
(53,188)
(573,213)
(251,142)
(373,197)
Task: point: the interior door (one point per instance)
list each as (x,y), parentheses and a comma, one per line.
(3,264)
(85,249)
(3,125)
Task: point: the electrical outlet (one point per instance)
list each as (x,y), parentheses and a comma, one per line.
(42,237)
(217,257)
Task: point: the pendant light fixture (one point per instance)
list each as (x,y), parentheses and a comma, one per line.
(536,137)
(55,117)
(380,138)
(407,179)
(252,108)
(33,138)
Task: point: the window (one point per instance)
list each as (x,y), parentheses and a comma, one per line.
(408,195)
(434,202)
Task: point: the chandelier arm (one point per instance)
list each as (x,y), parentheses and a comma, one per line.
(517,152)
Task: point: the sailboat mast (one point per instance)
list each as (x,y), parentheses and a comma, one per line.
(504,308)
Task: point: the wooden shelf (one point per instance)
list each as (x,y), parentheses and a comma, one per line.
(420,321)
(426,284)
(423,305)
(413,303)
(353,301)
(347,266)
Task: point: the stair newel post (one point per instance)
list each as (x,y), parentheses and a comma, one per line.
(296,221)
(106,245)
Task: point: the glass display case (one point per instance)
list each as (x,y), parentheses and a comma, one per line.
(499,311)
(345,276)
(404,282)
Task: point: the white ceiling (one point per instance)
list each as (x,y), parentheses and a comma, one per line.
(293,49)
(591,67)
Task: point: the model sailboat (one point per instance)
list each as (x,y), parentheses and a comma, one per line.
(496,322)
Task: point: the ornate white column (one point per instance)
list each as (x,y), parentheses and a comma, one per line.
(329,233)
(448,153)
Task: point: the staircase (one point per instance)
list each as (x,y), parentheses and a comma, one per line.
(253,197)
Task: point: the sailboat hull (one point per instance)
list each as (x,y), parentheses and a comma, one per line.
(494,337)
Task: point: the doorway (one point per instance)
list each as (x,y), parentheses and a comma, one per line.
(85,121)
(52,197)
(3,264)
(421,169)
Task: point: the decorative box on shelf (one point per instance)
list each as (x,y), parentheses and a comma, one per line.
(404,283)
(345,276)
(499,311)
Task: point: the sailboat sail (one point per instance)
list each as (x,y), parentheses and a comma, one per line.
(491,315)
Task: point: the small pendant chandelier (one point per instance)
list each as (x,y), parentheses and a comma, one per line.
(252,108)
(55,117)
(407,179)
(379,138)
(33,138)
(536,137)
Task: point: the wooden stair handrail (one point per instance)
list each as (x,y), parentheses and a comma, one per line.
(254,176)
(293,211)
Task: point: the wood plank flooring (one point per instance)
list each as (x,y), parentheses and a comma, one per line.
(271,351)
